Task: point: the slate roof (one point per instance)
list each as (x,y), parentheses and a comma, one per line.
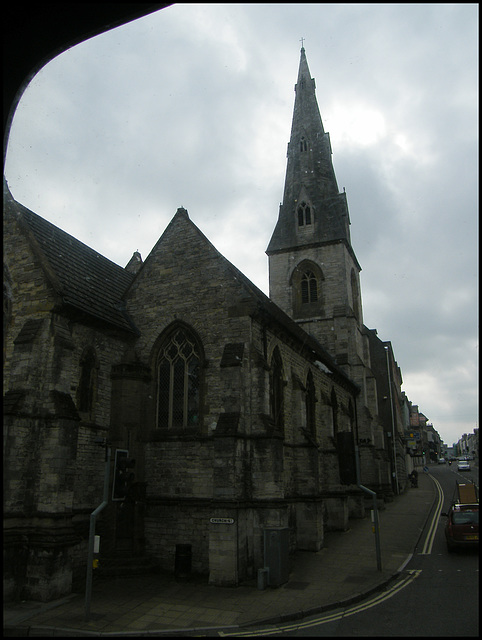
(90,283)
(86,281)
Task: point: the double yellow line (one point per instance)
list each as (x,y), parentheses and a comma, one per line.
(373,602)
(427,547)
(376,600)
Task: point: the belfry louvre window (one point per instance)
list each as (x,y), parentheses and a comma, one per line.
(179,370)
(304,214)
(309,288)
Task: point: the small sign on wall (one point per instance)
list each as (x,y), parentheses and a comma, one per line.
(221,520)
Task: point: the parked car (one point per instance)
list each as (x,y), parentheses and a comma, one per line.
(441,460)
(463,465)
(462,527)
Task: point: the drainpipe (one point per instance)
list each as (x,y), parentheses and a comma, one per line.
(394,442)
(376,522)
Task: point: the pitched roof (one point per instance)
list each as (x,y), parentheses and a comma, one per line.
(260,305)
(90,283)
(86,281)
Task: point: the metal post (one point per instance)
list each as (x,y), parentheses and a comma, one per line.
(93,517)
(393,425)
(376,522)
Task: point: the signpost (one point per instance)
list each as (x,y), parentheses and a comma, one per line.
(92,537)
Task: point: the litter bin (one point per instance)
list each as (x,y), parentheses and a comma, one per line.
(182,567)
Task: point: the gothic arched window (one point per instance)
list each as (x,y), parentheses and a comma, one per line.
(303,144)
(310,404)
(179,380)
(334,411)
(304,214)
(309,288)
(276,385)
(87,381)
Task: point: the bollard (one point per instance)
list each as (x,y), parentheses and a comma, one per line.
(263,578)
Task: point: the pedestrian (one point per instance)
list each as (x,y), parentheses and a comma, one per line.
(414,478)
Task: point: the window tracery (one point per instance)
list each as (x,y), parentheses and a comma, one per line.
(179,381)
(309,288)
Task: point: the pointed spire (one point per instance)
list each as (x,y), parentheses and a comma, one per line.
(181,211)
(310,177)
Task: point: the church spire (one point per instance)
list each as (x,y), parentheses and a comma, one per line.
(312,210)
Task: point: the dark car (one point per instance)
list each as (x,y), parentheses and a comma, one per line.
(462,527)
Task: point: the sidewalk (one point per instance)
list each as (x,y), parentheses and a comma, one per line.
(344,571)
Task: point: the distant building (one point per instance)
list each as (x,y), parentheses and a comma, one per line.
(468,444)
(243,412)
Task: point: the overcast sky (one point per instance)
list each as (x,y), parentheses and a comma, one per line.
(192,106)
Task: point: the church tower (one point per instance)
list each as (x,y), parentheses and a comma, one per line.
(313,270)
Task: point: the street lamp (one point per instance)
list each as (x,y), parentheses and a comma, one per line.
(393,424)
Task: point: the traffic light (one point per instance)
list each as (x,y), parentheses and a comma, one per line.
(123,475)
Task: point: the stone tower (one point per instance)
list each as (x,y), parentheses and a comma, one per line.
(313,270)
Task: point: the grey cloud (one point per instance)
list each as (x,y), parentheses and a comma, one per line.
(195,110)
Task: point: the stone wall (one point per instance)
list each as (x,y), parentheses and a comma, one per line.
(53,468)
(235,463)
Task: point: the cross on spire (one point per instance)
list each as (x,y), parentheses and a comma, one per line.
(302,40)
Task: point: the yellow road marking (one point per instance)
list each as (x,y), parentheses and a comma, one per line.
(427,548)
(373,602)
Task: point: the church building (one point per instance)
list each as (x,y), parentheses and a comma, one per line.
(251,419)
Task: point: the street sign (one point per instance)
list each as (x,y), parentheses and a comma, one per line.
(221,520)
